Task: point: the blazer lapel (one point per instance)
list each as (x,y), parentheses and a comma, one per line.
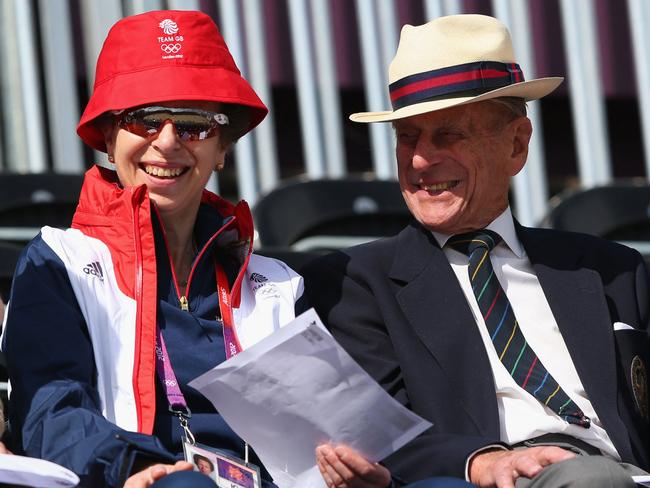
(577,299)
(435,306)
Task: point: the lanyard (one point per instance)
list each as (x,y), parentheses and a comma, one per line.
(230,340)
(175,398)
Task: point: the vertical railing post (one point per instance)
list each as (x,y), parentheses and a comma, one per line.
(244,149)
(530,188)
(61,86)
(97,18)
(31,93)
(140,6)
(639,14)
(328,90)
(587,102)
(12,116)
(266,150)
(184,4)
(376,88)
(312,131)
(437,8)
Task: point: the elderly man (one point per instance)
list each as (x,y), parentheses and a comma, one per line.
(526,348)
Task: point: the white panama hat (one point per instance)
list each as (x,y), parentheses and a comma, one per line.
(454,60)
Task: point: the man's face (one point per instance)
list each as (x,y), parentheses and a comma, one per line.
(455,164)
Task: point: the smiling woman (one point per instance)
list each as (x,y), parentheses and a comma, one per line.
(170,295)
(172,148)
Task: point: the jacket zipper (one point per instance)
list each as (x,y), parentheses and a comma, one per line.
(183,298)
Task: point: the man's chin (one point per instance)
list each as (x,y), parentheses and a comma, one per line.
(437,226)
(443,221)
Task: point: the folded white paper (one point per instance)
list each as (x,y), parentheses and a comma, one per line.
(642,480)
(297,389)
(21,470)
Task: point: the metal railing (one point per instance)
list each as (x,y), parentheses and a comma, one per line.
(47,48)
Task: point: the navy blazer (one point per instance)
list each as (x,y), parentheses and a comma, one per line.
(396,306)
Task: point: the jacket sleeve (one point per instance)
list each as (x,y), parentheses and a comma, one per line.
(55,411)
(345,300)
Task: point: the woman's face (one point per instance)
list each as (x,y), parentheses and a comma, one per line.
(175,171)
(204,466)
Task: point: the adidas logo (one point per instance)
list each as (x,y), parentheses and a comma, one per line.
(258,278)
(94,269)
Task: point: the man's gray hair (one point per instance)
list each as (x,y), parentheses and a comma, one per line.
(515,105)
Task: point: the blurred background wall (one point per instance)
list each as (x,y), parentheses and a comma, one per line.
(316,61)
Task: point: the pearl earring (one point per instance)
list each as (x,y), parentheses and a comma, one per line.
(111,159)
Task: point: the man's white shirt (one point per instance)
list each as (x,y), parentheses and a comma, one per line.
(521,416)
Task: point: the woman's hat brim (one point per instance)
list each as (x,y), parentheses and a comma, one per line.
(181,83)
(528,90)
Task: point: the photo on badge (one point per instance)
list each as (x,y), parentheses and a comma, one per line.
(225,470)
(204,461)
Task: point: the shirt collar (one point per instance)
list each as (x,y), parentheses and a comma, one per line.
(502,225)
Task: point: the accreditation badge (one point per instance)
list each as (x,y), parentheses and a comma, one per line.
(225,470)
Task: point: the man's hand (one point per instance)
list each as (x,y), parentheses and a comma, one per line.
(343,467)
(501,468)
(150,475)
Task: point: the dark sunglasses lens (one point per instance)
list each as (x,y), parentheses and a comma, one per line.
(193,126)
(141,123)
(190,125)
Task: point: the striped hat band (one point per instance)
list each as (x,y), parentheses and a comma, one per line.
(469,79)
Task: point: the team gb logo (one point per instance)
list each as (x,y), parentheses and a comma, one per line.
(169,27)
(170,41)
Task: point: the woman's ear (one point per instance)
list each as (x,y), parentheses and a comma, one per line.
(110,131)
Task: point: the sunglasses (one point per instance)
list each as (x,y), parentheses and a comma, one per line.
(190,124)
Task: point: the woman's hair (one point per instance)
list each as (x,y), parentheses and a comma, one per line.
(200,457)
(239,118)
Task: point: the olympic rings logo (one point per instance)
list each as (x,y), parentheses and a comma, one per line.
(170,48)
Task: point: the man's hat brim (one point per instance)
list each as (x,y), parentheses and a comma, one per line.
(528,90)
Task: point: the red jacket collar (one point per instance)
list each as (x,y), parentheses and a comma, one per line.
(103,201)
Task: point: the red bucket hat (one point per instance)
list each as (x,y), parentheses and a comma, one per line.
(163,56)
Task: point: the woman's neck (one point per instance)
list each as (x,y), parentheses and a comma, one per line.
(181,245)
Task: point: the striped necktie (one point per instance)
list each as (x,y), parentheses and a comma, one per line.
(509,342)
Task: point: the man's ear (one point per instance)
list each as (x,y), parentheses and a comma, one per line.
(522,130)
